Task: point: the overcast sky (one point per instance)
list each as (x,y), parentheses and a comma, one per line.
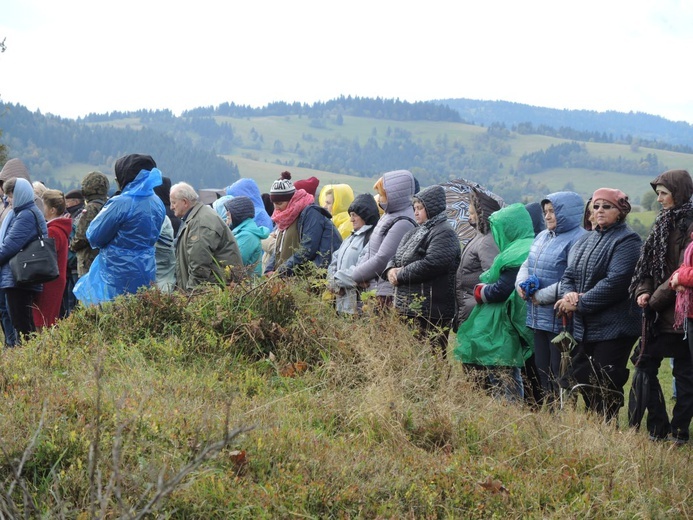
(75,57)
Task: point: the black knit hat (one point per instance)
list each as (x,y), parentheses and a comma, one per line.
(240,209)
(129,166)
(364,206)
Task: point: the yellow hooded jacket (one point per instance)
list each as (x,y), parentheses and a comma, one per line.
(343,197)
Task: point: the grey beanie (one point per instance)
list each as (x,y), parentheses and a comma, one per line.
(240,209)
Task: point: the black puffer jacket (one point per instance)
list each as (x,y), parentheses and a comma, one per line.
(600,267)
(428,256)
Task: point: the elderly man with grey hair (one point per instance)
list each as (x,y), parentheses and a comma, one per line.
(205,245)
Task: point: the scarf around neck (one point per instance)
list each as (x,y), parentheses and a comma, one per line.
(300,201)
(652,261)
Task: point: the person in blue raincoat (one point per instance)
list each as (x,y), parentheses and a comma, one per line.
(245,187)
(125,231)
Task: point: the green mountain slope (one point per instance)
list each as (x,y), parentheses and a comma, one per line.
(342,141)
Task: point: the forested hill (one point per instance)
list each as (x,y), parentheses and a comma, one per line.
(351,140)
(378,108)
(609,126)
(47,143)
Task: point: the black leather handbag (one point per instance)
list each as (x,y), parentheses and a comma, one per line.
(36,262)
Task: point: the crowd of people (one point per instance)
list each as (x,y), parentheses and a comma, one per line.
(531,275)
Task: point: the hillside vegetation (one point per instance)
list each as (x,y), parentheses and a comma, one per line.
(259,402)
(349,140)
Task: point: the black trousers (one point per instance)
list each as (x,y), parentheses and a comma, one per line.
(600,368)
(437,331)
(547,358)
(20,303)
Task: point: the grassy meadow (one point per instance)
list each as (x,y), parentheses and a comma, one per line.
(257,158)
(258,401)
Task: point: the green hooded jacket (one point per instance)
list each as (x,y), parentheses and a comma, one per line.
(495,334)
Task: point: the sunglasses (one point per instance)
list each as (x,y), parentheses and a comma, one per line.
(605,207)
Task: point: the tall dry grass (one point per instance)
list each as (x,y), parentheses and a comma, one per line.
(260,402)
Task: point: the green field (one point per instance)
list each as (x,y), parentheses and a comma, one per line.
(257,156)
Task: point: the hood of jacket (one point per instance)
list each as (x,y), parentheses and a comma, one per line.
(64,224)
(128,168)
(366,207)
(485,206)
(399,188)
(510,224)
(95,185)
(432,199)
(568,208)
(678,182)
(14,168)
(342,194)
(143,185)
(249,226)
(248,188)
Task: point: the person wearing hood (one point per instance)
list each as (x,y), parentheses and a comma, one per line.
(240,212)
(538,283)
(125,231)
(494,339)
(594,291)
(48,301)
(423,269)
(336,199)
(305,232)
(12,169)
(95,186)
(661,255)
(164,193)
(394,191)
(219,206)
(363,212)
(16,169)
(23,224)
(477,255)
(246,187)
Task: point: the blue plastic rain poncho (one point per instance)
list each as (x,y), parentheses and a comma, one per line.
(125,232)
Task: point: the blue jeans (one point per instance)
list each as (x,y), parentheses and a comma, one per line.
(6,321)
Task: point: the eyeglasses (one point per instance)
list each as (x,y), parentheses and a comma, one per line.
(605,207)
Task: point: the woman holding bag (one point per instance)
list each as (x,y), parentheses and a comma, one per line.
(21,226)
